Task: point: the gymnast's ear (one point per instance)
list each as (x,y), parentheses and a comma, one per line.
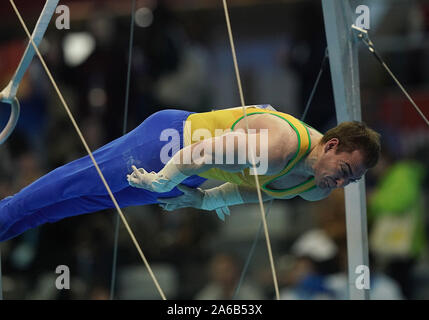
(331,144)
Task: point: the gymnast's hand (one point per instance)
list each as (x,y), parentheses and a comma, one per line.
(151,181)
(193,198)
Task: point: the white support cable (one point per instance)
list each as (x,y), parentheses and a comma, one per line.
(363,35)
(8,94)
(10,91)
(78,131)
(252,154)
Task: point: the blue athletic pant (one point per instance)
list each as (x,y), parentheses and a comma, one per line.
(76,188)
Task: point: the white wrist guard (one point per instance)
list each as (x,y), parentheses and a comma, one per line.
(220,198)
(169,177)
(163,181)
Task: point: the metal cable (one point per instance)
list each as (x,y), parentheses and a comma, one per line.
(255,240)
(124,131)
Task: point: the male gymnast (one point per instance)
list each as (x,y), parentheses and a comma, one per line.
(300,161)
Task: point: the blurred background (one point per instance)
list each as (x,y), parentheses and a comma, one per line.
(182,59)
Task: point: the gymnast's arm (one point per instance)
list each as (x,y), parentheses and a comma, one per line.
(234,157)
(227,194)
(273,150)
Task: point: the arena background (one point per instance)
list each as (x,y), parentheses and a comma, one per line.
(182,59)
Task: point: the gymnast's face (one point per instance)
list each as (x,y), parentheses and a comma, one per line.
(337,169)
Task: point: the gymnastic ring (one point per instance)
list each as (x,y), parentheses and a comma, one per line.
(13,120)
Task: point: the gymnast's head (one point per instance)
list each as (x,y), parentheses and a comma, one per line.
(345,153)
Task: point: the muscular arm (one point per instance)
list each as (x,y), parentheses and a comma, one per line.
(232,152)
(272,144)
(218,198)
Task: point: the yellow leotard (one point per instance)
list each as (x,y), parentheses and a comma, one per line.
(227,119)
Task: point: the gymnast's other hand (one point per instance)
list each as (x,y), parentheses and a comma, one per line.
(194,198)
(191,198)
(151,181)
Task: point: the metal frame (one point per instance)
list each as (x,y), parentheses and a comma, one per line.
(343,57)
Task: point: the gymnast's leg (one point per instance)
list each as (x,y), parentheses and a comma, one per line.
(80,180)
(127,197)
